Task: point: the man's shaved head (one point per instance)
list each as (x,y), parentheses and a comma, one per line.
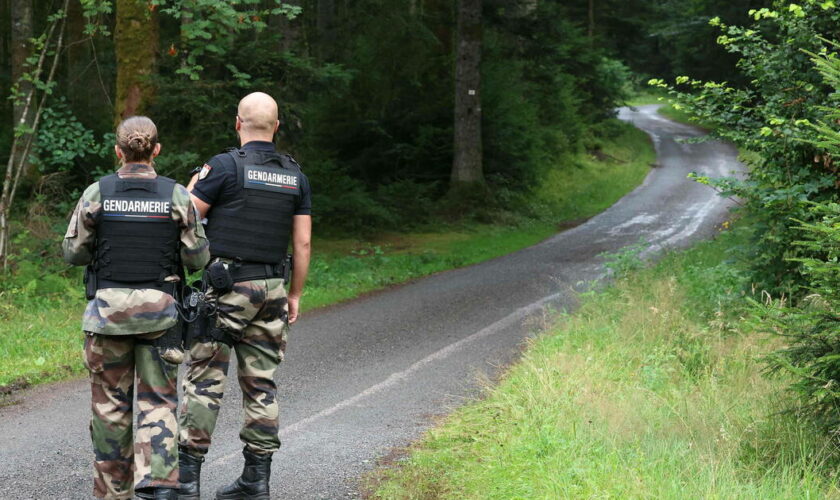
(258,113)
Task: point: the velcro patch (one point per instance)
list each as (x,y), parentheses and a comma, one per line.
(271,179)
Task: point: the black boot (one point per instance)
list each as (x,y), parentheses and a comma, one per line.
(189,474)
(157,494)
(253,484)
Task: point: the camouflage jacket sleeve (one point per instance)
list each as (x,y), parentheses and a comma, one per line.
(195,250)
(81,232)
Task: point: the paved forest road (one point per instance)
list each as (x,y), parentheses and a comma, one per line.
(365,376)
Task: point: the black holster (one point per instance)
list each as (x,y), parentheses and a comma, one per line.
(204,327)
(91,284)
(288,265)
(172,339)
(205,318)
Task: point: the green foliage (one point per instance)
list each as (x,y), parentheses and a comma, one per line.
(811,326)
(666,37)
(94,12)
(64,144)
(211,27)
(771,116)
(543,86)
(366,107)
(812,329)
(626,260)
(196,120)
(579,186)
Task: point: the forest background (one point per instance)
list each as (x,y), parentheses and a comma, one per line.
(366,90)
(438,133)
(376,104)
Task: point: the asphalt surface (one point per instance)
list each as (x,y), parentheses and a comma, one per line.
(365,377)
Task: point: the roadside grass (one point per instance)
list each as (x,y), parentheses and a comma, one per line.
(652,389)
(597,179)
(391,259)
(41,305)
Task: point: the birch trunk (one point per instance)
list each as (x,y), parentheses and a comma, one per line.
(21,32)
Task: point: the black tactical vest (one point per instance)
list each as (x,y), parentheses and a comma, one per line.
(256,223)
(137,242)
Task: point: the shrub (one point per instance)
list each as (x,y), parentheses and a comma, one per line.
(770,116)
(813,327)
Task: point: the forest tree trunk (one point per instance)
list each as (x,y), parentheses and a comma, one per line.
(466,165)
(326,26)
(22,31)
(591,30)
(187,18)
(136,45)
(80,70)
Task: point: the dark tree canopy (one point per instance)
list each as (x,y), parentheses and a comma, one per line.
(366,88)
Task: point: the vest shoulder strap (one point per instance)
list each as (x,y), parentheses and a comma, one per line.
(288,162)
(238,156)
(108,185)
(168,185)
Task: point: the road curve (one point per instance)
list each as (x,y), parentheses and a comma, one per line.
(363,377)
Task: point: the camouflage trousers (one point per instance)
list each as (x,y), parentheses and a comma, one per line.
(256,312)
(149,458)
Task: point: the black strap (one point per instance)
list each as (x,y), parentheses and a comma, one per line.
(247,271)
(167,287)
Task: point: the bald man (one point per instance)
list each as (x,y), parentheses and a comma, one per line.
(256,201)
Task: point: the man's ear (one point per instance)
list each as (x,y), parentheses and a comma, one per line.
(276,125)
(238,126)
(156,151)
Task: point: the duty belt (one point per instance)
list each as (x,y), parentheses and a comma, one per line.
(166,286)
(247,271)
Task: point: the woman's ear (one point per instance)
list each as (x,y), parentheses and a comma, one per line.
(156,151)
(118,152)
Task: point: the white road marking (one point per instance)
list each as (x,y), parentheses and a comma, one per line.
(398,377)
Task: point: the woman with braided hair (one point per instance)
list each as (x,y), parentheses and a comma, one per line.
(134,229)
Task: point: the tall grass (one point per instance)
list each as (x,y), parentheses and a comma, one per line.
(650,390)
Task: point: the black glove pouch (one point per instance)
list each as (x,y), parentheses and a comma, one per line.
(218,276)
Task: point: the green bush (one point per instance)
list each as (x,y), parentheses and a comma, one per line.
(770,116)
(812,329)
